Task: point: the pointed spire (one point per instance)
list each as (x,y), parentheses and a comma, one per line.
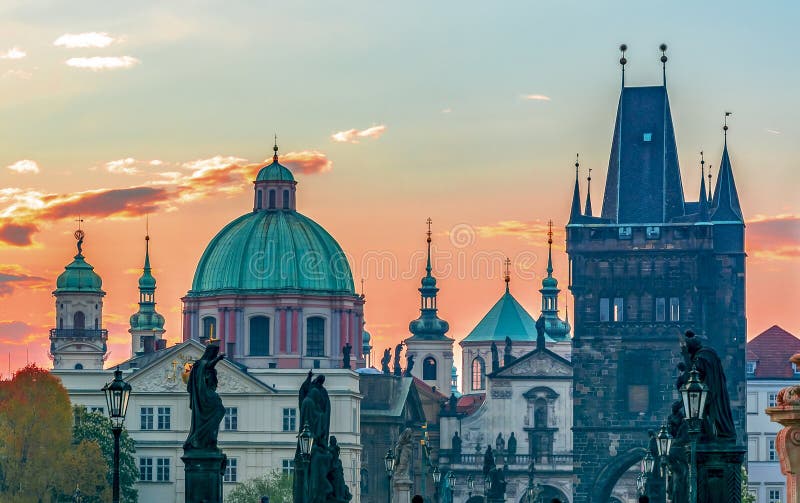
(508,273)
(275,149)
(147,245)
(428,325)
(709,184)
(575,212)
(703,199)
(726,198)
(622,61)
(428,267)
(550,249)
(588,210)
(663,49)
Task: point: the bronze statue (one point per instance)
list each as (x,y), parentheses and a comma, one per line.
(387,357)
(511,448)
(488,460)
(455,449)
(204,402)
(341,493)
(397,370)
(508,358)
(346,350)
(495,357)
(409,365)
(540,326)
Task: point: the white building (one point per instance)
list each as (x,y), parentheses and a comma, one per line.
(768,370)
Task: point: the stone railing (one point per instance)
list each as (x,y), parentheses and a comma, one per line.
(78,333)
(552,462)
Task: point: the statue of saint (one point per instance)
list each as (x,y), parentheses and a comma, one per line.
(718,419)
(204,402)
(511,448)
(397,370)
(495,357)
(540,326)
(508,358)
(341,492)
(456,448)
(403,453)
(346,350)
(488,460)
(409,365)
(387,357)
(453,403)
(500,443)
(315,412)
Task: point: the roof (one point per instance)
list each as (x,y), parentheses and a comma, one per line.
(79,277)
(389,396)
(425,388)
(468,404)
(644,181)
(274,172)
(268,252)
(507,318)
(725,203)
(772,350)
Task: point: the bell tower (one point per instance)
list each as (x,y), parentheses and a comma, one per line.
(147,326)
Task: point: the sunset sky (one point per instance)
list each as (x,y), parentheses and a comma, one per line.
(470,113)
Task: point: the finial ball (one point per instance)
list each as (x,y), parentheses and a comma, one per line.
(725,127)
(623,47)
(663,59)
(79,234)
(622,61)
(663,47)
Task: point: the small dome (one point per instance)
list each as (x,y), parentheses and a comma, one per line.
(275,172)
(557,329)
(428,282)
(147,281)
(366,338)
(147,321)
(549,282)
(79,277)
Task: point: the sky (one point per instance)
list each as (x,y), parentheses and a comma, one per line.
(466,112)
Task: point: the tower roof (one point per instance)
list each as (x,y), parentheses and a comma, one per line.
(428,326)
(275,171)
(575,210)
(725,206)
(507,318)
(147,281)
(644,181)
(79,275)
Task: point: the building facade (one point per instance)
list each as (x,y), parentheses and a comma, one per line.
(651,266)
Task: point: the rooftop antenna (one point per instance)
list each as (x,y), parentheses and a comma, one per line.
(622,61)
(663,49)
(363,294)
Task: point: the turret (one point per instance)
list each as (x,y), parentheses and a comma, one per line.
(147,326)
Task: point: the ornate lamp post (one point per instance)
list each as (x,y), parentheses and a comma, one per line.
(451,482)
(533,491)
(305,441)
(694,394)
(388,460)
(664,443)
(117,392)
(648,464)
(437,476)
(470,486)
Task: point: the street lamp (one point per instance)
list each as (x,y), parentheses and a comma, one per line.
(648,463)
(305,442)
(117,392)
(451,480)
(533,491)
(470,485)
(694,394)
(641,482)
(437,476)
(388,460)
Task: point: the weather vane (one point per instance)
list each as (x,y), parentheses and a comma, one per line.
(79,235)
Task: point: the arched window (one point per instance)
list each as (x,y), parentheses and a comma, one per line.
(79,320)
(272,199)
(540,413)
(78,366)
(478,373)
(285,199)
(315,336)
(429,369)
(259,336)
(209,327)
(259,196)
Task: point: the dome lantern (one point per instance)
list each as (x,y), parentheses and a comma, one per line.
(275,187)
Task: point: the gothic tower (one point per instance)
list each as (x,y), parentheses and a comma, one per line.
(431,349)
(147,326)
(78,342)
(650,267)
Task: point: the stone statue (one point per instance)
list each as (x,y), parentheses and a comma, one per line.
(204,402)
(409,365)
(397,370)
(498,490)
(341,493)
(312,481)
(364,481)
(718,419)
(456,449)
(387,357)
(540,326)
(488,460)
(508,359)
(499,443)
(495,358)
(346,350)
(511,448)
(453,403)
(402,453)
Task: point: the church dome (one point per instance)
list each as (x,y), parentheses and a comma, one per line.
(79,277)
(268,252)
(147,321)
(275,172)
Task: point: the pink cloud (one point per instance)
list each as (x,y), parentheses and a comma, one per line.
(354,135)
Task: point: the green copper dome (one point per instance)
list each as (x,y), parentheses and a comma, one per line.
(275,172)
(79,277)
(267,252)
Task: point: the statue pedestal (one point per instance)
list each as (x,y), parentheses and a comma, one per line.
(401,492)
(204,472)
(788,443)
(719,473)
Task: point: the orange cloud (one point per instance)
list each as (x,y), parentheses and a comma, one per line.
(533,232)
(307,162)
(12,276)
(19,333)
(353,135)
(16,234)
(774,237)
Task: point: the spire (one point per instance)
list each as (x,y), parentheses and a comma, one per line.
(725,206)
(663,49)
(575,212)
(428,325)
(622,61)
(709,184)
(550,249)
(147,246)
(554,326)
(428,267)
(508,273)
(275,149)
(703,199)
(588,210)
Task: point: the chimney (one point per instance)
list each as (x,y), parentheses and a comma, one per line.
(148,342)
(161,344)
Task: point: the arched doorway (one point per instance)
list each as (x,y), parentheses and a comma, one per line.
(547,494)
(613,471)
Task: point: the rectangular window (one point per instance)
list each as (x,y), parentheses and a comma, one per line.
(604,308)
(164,418)
(751,368)
(661,309)
(289,419)
(774,495)
(315,336)
(752,448)
(231,471)
(638,398)
(795,370)
(772,454)
(162,469)
(287,466)
(231,419)
(146,418)
(146,469)
(618,309)
(674,309)
(772,399)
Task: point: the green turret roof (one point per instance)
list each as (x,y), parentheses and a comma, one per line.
(275,172)
(507,318)
(79,275)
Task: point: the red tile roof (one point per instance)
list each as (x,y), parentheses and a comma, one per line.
(422,386)
(468,404)
(771,351)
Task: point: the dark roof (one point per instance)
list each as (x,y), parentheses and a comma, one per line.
(725,204)
(423,387)
(644,180)
(772,350)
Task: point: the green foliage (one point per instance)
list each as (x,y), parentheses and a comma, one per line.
(96,427)
(747,496)
(275,485)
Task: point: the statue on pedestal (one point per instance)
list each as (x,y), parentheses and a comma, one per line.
(204,402)
(508,358)
(495,357)
(403,454)
(346,350)
(455,449)
(387,357)
(511,448)
(409,365)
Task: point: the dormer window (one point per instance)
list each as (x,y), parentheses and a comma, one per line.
(647,137)
(751,368)
(795,370)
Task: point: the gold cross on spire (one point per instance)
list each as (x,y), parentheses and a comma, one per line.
(550,232)
(508,271)
(429,222)
(80,221)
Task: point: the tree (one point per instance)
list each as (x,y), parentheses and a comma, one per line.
(747,496)
(38,461)
(276,485)
(96,427)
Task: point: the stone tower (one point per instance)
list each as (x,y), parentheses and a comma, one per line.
(650,267)
(431,349)
(147,326)
(79,341)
